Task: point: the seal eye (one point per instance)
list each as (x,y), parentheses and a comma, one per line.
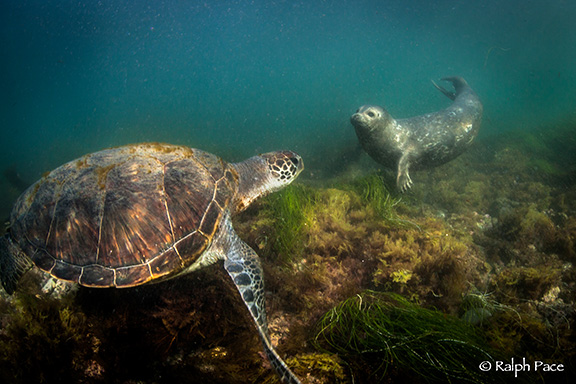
(371,114)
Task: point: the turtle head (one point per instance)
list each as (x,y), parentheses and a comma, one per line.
(283,167)
(265,173)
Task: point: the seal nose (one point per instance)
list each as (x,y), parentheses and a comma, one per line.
(364,112)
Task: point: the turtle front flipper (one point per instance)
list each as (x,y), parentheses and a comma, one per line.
(243,265)
(13,264)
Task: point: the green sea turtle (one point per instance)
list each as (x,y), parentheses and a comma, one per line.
(126,216)
(424,141)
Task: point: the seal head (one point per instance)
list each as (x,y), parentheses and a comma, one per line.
(424,141)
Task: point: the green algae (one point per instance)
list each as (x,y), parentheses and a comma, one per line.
(401,276)
(291,210)
(391,334)
(495,222)
(527,282)
(300,218)
(376,196)
(327,368)
(432,261)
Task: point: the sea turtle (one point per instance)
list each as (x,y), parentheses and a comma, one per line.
(126,216)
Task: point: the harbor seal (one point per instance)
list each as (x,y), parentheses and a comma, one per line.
(424,141)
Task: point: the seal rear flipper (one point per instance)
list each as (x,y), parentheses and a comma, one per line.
(458,83)
(13,264)
(450,95)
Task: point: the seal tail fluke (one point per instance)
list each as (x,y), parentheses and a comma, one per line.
(13,264)
(458,82)
(450,95)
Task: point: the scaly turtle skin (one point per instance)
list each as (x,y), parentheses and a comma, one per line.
(126,216)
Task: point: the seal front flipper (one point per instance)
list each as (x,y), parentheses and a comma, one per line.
(403,180)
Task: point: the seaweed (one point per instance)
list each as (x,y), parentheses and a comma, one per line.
(478,307)
(527,282)
(492,218)
(290,209)
(320,368)
(375,195)
(395,337)
(40,330)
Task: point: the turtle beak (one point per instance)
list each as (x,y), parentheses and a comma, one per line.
(296,161)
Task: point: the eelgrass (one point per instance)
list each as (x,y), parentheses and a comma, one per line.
(289,208)
(385,330)
(375,195)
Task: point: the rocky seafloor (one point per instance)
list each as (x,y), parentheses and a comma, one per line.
(364,285)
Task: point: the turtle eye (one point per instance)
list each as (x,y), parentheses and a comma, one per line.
(294,161)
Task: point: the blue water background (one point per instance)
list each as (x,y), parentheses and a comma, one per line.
(243,77)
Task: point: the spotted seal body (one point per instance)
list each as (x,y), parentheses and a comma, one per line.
(424,141)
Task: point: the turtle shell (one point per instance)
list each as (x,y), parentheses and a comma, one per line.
(124,216)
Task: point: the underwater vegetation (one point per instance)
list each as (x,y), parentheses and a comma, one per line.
(383,329)
(481,221)
(478,259)
(291,209)
(375,196)
(180,331)
(37,331)
(515,197)
(294,210)
(352,237)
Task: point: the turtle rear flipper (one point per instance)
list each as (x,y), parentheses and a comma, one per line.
(243,266)
(13,264)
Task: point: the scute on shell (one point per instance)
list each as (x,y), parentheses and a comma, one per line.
(126,215)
